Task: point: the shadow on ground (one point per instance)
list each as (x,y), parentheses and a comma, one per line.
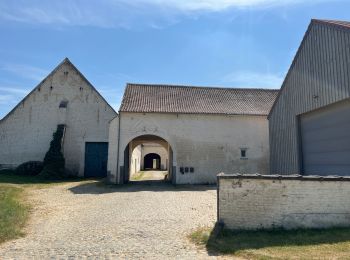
(9,177)
(221,241)
(101,187)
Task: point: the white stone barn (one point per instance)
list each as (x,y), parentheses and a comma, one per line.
(66,97)
(192,132)
(204,131)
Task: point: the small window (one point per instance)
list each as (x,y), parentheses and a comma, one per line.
(63,104)
(243,153)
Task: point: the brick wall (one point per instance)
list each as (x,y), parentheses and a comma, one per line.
(257,202)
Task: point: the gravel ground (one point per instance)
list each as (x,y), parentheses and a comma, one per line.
(89,220)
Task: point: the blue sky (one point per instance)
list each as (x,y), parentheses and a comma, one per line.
(231,43)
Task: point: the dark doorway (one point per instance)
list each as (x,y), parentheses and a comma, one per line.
(96,155)
(152,161)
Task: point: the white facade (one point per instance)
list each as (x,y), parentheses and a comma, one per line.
(135,161)
(27,130)
(208,143)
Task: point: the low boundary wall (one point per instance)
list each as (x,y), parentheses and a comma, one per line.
(290,201)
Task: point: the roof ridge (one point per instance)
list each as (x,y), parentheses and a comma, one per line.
(198,87)
(338,23)
(180,99)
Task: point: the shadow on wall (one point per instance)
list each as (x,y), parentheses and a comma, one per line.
(101,187)
(221,241)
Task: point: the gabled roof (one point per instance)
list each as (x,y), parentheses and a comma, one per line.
(146,98)
(65,61)
(336,24)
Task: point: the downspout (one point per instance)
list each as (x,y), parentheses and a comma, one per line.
(118,170)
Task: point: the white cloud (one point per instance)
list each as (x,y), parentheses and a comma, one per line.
(8,100)
(25,71)
(251,79)
(14,90)
(123,13)
(219,5)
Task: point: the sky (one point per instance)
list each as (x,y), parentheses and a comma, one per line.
(224,43)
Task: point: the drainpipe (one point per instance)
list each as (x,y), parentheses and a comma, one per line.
(118,171)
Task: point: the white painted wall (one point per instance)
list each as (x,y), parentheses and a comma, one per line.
(256,203)
(135,163)
(209,143)
(27,131)
(113,150)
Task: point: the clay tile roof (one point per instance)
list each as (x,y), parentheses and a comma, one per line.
(145,98)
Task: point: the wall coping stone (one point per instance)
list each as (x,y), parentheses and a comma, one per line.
(283,177)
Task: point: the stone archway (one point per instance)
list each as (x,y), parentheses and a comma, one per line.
(129,162)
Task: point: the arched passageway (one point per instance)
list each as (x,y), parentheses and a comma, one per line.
(152,161)
(148,158)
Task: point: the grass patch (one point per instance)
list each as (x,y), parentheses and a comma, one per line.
(276,244)
(13,212)
(137,176)
(10,177)
(14,206)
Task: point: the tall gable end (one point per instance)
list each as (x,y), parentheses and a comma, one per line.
(318,77)
(65,74)
(319,48)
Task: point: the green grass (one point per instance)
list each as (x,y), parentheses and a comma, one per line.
(276,244)
(14,205)
(9,177)
(13,212)
(137,176)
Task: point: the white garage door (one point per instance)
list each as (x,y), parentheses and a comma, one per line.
(325,139)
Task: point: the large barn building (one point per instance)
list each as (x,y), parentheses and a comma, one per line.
(64,97)
(192,133)
(310,120)
(204,131)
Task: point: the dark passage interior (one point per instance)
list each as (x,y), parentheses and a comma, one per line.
(152,161)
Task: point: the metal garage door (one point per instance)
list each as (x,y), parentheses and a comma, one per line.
(96,155)
(325,139)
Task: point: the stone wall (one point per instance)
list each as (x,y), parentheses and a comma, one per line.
(27,130)
(113,149)
(135,161)
(265,202)
(208,143)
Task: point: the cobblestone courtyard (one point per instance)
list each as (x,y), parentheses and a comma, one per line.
(91,220)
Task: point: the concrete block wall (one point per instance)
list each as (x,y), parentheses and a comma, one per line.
(266,202)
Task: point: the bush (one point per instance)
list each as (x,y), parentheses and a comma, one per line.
(54,161)
(31,168)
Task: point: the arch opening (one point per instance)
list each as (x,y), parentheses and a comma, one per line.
(148,158)
(152,161)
